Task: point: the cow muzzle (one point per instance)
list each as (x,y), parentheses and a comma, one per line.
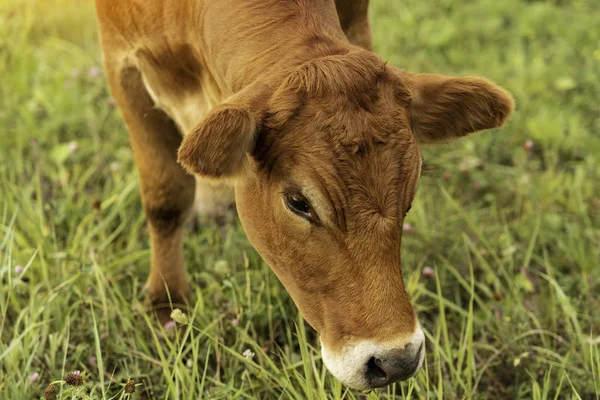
(369,364)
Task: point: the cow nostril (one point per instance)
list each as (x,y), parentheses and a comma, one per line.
(395,365)
(375,373)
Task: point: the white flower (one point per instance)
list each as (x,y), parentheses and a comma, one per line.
(592,341)
(428,272)
(222,267)
(179,316)
(249,354)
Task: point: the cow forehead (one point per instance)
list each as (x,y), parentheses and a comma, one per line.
(363,146)
(356,118)
(365,166)
(351,127)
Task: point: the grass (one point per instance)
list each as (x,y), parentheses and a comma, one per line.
(511,309)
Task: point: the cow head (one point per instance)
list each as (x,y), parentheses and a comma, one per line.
(325,167)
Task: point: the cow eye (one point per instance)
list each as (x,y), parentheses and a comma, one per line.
(298,204)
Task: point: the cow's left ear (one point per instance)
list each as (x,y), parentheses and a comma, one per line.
(444,108)
(218,146)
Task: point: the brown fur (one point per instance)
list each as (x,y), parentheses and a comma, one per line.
(277,98)
(447,108)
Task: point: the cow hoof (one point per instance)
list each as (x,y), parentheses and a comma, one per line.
(162,307)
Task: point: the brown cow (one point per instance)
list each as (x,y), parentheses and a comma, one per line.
(284,101)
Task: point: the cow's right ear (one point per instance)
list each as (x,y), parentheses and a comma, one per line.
(445,108)
(219,145)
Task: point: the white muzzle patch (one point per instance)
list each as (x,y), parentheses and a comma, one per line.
(350,364)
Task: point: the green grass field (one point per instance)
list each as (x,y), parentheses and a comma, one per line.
(508,220)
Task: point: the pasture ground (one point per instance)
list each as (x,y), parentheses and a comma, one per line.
(508,220)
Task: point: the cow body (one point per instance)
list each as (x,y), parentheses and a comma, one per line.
(284,102)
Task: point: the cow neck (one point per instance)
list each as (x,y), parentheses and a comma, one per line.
(241,53)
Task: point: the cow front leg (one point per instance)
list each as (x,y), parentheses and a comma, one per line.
(167,191)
